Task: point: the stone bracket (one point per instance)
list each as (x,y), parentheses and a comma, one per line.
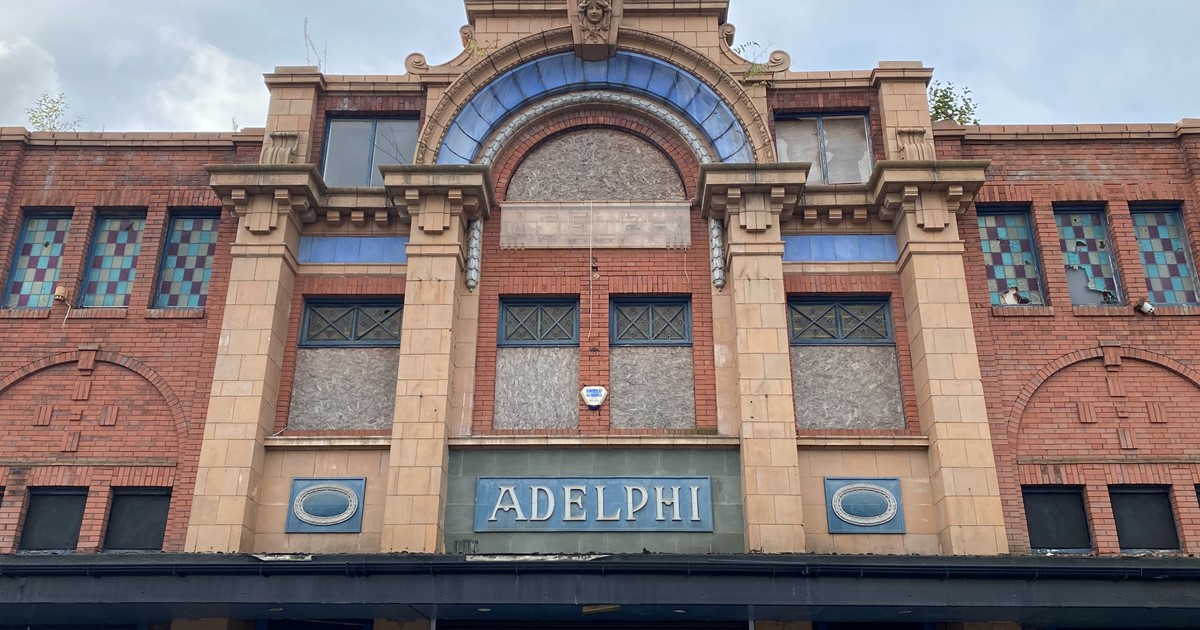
(932,190)
(434,194)
(262,193)
(755,193)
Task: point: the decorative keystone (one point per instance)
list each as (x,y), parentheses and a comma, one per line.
(754,193)
(432,194)
(262,193)
(594,26)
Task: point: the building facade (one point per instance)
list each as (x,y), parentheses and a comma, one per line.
(600,323)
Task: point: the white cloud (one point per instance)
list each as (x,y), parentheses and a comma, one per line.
(26,71)
(210,89)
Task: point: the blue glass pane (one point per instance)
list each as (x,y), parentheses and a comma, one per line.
(553,75)
(639,72)
(595,72)
(529,80)
(472,123)
(684,91)
(501,96)
(460,143)
(662,78)
(346,250)
(573,68)
(618,70)
(702,106)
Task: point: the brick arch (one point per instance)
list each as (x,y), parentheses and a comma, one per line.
(555,41)
(565,121)
(129,363)
(1017,413)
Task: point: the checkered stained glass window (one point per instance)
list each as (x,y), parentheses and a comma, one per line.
(1010,256)
(112,261)
(651,322)
(187,261)
(855,321)
(1087,256)
(1170,276)
(36,261)
(373,323)
(550,322)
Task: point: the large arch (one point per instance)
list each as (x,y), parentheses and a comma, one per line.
(543,66)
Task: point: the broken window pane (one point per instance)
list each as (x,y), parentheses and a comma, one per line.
(800,141)
(847,156)
(1083,238)
(1006,237)
(1170,276)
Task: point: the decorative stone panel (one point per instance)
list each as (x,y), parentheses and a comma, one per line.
(596,165)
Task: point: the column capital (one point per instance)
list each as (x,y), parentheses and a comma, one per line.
(754,193)
(931,190)
(263,194)
(432,194)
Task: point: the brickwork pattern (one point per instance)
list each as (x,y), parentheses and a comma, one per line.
(1023,352)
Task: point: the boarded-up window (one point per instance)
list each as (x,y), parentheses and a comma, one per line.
(1057,518)
(137,519)
(537,364)
(53,519)
(1144,517)
(346,365)
(651,367)
(845,370)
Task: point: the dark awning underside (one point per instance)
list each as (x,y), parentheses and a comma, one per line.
(1042,591)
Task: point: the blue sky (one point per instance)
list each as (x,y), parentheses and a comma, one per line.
(197,64)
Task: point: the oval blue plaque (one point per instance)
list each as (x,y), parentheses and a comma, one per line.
(865,504)
(325,504)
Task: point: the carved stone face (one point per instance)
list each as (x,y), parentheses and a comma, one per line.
(594,12)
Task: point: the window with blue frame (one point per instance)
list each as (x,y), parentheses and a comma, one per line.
(1087,255)
(539,322)
(112,261)
(187,261)
(824,320)
(1166,257)
(355,148)
(650,322)
(838,146)
(1009,256)
(370,323)
(37,260)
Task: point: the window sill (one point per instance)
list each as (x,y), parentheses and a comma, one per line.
(1023,311)
(175,313)
(868,442)
(24,313)
(98,313)
(1102,310)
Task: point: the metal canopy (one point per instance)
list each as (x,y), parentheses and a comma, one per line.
(1096,592)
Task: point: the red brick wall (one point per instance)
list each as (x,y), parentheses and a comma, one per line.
(1042,366)
(129,409)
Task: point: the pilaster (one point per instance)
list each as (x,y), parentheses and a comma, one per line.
(924,197)
(291,114)
(904,107)
(441,201)
(270,203)
(751,201)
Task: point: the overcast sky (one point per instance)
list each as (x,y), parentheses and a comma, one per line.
(197,64)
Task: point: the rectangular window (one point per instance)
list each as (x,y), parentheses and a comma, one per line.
(539,322)
(363,324)
(1087,256)
(1144,517)
(651,322)
(137,519)
(37,260)
(845,367)
(838,147)
(112,261)
(1057,518)
(187,261)
(355,148)
(1010,256)
(1170,275)
(53,519)
(842,321)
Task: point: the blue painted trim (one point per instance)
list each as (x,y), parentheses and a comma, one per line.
(354,303)
(832,301)
(12,263)
(686,302)
(540,78)
(380,250)
(502,328)
(840,248)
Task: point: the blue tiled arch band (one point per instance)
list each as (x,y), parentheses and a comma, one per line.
(541,78)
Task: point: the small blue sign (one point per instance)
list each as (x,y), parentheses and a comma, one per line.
(326,505)
(594,504)
(864,505)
